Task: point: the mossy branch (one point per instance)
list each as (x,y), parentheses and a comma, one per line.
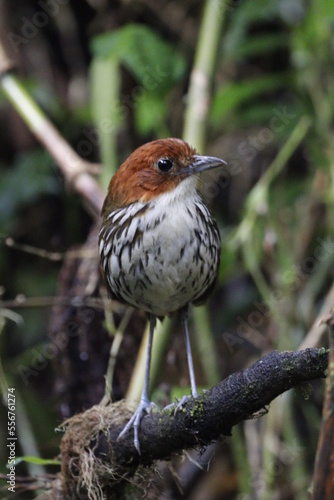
(202,420)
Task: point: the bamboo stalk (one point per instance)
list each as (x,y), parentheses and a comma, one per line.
(194,132)
(202,74)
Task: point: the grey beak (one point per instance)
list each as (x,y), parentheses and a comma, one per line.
(202,163)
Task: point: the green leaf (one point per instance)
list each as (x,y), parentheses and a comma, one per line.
(232,95)
(248,14)
(256,45)
(151,115)
(228,260)
(153,62)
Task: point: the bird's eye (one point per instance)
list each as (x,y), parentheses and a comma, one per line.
(164,164)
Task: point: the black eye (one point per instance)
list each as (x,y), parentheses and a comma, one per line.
(164,164)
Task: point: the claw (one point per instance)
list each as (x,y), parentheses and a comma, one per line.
(178,406)
(181,403)
(145,406)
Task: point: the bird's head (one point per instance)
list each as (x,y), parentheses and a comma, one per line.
(153,169)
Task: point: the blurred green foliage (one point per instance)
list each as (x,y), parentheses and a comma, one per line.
(16,192)
(144,53)
(157,67)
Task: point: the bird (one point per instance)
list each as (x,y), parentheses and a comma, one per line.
(159,244)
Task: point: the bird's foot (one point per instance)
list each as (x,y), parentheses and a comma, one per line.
(179,405)
(145,406)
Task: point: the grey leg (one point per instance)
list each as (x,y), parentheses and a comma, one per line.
(144,403)
(184,316)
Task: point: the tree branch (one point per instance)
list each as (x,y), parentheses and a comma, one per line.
(202,420)
(216,411)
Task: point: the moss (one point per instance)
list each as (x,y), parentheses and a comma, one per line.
(198,408)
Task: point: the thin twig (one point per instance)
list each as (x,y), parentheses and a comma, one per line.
(318,329)
(323,479)
(22,301)
(53,256)
(114,348)
(74,168)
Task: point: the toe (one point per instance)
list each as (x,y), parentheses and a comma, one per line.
(181,403)
(145,406)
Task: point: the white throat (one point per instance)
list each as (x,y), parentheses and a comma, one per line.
(185,190)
